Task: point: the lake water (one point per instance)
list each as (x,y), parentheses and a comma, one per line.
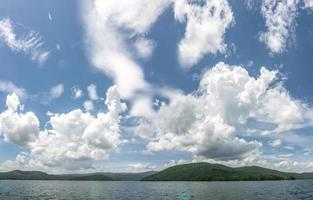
(80,190)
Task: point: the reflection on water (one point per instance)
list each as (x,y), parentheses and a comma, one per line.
(24,190)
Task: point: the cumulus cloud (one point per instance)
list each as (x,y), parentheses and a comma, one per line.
(206,25)
(280,21)
(72,141)
(30,43)
(117,34)
(9,87)
(206,123)
(92,92)
(16,127)
(186,125)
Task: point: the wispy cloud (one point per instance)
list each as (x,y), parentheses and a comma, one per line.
(280,21)
(30,43)
(9,87)
(46,97)
(108,43)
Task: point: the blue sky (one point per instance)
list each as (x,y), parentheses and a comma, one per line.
(217,81)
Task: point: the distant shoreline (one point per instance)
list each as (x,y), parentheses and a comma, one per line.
(193,172)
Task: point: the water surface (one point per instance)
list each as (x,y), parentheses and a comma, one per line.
(81,190)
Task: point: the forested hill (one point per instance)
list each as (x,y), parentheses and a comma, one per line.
(37,175)
(217,172)
(186,172)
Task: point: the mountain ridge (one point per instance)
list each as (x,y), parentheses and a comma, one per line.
(186,172)
(217,172)
(97,176)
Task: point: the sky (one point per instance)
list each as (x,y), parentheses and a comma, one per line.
(131,86)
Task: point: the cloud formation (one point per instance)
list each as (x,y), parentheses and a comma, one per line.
(144,47)
(16,127)
(207,122)
(92,92)
(110,26)
(73,141)
(30,43)
(57,91)
(276,143)
(88,105)
(77,92)
(308,4)
(54,93)
(206,25)
(9,87)
(280,21)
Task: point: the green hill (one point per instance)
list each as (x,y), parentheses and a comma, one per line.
(187,172)
(37,175)
(217,172)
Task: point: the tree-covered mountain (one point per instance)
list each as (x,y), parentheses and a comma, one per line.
(186,172)
(217,172)
(37,175)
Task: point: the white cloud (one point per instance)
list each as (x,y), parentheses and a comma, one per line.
(9,87)
(187,125)
(293,166)
(250,4)
(16,127)
(73,141)
(144,47)
(141,167)
(205,28)
(172,163)
(280,21)
(54,93)
(142,106)
(13,102)
(31,43)
(276,143)
(77,92)
(109,26)
(57,91)
(88,105)
(206,123)
(308,4)
(92,92)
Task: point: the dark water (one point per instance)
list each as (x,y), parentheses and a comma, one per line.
(80,190)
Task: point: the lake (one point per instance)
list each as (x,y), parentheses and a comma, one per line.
(23,190)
